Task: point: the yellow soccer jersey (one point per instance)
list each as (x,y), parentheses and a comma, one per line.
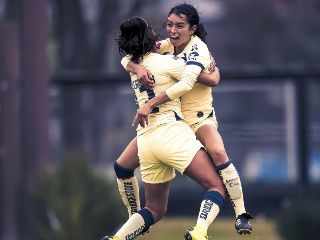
(166,70)
(196,105)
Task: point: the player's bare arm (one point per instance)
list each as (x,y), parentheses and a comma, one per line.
(210,79)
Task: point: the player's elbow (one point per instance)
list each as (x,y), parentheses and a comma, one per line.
(215,81)
(216,78)
(188,88)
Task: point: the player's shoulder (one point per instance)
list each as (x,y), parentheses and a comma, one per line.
(196,44)
(161,62)
(164,47)
(160,57)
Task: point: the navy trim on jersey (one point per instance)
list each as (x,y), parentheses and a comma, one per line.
(211,114)
(142,88)
(150,93)
(195,63)
(155,110)
(178,118)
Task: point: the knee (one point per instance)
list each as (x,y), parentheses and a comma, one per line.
(220,189)
(218,154)
(216,186)
(214,183)
(121,172)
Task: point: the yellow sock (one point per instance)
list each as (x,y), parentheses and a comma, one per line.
(209,209)
(205,221)
(129,192)
(135,225)
(231,180)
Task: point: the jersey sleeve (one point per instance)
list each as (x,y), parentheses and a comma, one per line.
(124,61)
(199,55)
(189,77)
(164,47)
(176,67)
(197,59)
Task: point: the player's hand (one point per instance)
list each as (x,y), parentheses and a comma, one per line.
(216,76)
(145,77)
(141,116)
(212,65)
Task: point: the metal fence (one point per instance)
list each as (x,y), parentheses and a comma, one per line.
(269,120)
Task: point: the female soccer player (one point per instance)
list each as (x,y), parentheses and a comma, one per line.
(186,37)
(179,148)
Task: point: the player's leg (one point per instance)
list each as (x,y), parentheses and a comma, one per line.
(156,196)
(202,170)
(212,140)
(183,152)
(127,183)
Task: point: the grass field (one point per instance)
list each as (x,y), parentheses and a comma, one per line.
(222,229)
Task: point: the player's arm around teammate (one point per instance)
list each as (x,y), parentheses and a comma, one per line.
(144,75)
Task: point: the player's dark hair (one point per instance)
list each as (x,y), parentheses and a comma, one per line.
(193,18)
(136,38)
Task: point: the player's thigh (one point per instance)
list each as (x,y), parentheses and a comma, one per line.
(203,171)
(156,198)
(211,139)
(129,157)
(207,121)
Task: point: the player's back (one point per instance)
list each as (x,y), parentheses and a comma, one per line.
(165,70)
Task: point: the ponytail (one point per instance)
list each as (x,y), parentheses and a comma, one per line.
(201,32)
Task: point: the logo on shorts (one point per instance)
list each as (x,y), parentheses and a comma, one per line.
(199,114)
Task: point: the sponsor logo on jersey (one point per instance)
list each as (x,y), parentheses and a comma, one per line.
(193,56)
(184,57)
(135,84)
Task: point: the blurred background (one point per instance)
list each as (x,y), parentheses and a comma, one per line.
(66,107)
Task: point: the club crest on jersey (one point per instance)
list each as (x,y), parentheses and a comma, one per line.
(194,48)
(158,45)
